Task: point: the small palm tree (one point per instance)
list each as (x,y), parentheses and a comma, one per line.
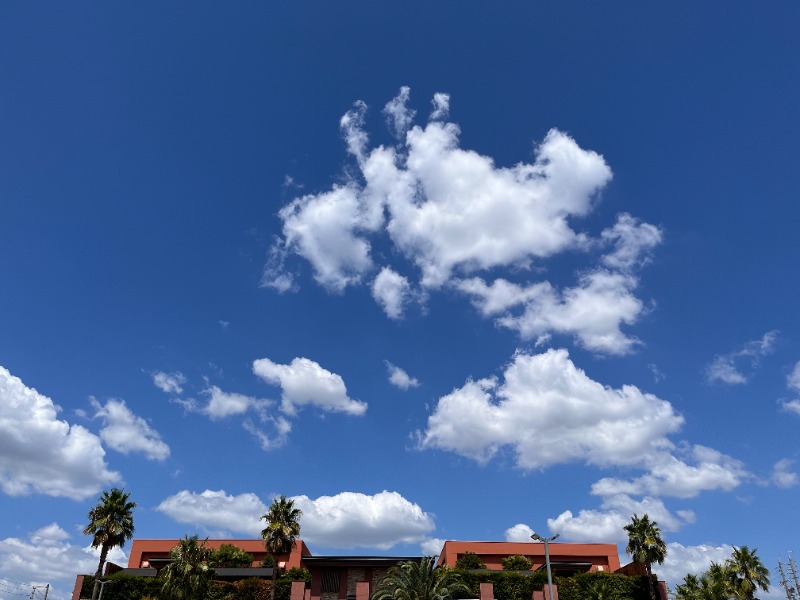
(110,525)
(419,581)
(747,573)
(281,532)
(188,576)
(645,545)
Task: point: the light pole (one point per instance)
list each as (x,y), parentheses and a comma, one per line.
(103,583)
(546,541)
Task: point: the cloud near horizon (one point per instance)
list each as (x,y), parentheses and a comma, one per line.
(43,454)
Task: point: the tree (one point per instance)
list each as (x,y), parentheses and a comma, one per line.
(517,562)
(747,573)
(421,580)
(110,525)
(228,556)
(469,561)
(281,532)
(645,545)
(188,576)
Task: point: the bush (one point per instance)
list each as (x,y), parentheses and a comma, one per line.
(517,562)
(469,561)
(230,557)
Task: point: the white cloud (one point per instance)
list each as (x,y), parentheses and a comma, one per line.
(125,432)
(398,377)
(670,476)
(452,213)
(593,311)
(42,454)
(633,242)
(350,519)
(584,421)
(399,116)
(169,383)
(682,560)
(305,383)
(792,406)
(268,441)
(782,474)
(391,291)
(432,546)
(519,533)
(46,556)
(225,404)
(216,511)
(441,106)
(606,524)
(793,379)
(727,368)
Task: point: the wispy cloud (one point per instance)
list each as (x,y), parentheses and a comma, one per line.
(735,368)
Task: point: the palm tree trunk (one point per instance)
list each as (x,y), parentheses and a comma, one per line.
(274,577)
(99,574)
(649,582)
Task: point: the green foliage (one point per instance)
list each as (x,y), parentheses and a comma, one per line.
(737,578)
(297,574)
(124,587)
(645,545)
(516,562)
(508,585)
(228,556)
(268,562)
(602,586)
(421,580)
(110,525)
(468,561)
(281,532)
(188,576)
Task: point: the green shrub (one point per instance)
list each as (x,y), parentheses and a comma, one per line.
(469,561)
(517,562)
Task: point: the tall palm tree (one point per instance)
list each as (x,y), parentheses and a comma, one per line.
(645,545)
(280,533)
(110,525)
(747,573)
(419,581)
(188,576)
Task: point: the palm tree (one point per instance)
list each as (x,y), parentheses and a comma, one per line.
(645,545)
(747,572)
(689,589)
(110,525)
(281,532)
(188,576)
(419,581)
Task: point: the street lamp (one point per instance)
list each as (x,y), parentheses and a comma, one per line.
(546,541)
(103,583)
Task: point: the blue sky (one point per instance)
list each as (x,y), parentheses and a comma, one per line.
(435,270)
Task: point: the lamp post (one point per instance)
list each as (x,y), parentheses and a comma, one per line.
(103,583)
(546,541)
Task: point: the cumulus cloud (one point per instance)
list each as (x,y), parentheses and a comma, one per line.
(682,560)
(42,454)
(729,368)
(125,432)
(391,291)
(782,474)
(223,404)
(47,556)
(607,523)
(169,383)
(519,533)
(453,213)
(350,520)
(585,420)
(399,378)
(432,546)
(671,476)
(216,511)
(305,383)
